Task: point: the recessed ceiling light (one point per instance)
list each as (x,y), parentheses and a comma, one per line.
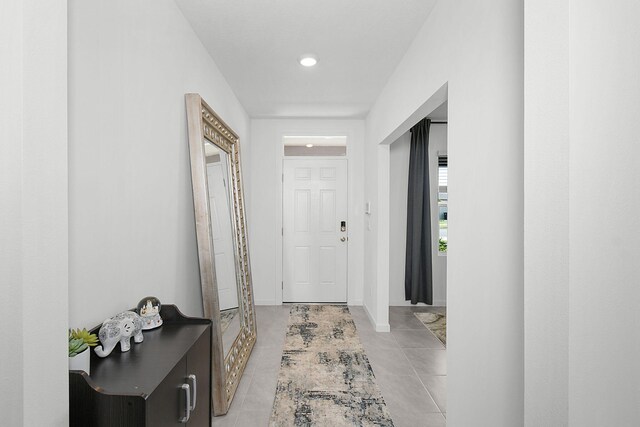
(308,60)
(309,145)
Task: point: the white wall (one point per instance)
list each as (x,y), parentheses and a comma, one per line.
(370,290)
(399,176)
(265,215)
(33,230)
(399,180)
(546,215)
(11,194)
(604,214)
(131,223)
(582,213)
(477,47)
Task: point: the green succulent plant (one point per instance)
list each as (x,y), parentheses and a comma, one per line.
(76,346)
(80,340)
(90,339)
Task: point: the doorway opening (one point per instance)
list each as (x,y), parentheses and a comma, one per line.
(437,195)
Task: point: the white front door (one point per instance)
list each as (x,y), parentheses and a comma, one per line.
(314,230)
(221,231)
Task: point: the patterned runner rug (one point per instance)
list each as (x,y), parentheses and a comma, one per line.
(436,323)
(325,377)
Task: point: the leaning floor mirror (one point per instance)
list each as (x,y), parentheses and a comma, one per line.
(221,231)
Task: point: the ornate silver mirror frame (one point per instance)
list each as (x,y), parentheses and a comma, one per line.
(226,371)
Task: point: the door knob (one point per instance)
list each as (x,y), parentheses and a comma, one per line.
(342,239)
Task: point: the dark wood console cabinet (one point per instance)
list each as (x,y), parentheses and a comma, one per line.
(145,386)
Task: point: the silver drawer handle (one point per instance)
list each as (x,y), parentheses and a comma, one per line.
(194,390)
(187,406)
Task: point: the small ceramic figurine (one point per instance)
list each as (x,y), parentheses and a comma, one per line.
(149,311)
(119,329)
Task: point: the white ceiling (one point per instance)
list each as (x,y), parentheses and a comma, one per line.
(256,45)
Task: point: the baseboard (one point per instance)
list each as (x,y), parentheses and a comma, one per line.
(369,316)
(273,302)
(383,327)
(379,327)
(436,303)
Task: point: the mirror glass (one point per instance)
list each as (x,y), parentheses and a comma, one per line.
(222,230)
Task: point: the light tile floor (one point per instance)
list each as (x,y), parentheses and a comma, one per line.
(409,364)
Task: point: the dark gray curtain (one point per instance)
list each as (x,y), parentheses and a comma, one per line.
(418,286)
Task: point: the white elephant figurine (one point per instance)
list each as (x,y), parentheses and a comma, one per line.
(119,329)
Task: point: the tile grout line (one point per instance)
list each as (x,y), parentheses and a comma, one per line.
(415,373)
(414,368)
(429,393)
(241,407)
(255,371)
(368,351)
(425,327)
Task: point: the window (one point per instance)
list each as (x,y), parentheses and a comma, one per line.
(315,145)
(443,210)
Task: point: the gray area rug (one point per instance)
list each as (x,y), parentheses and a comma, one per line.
(325,377)
(226,317)
(436,323)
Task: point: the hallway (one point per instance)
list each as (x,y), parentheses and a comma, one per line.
(409,364)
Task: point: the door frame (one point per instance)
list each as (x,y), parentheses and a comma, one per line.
(355,166)
(284,158)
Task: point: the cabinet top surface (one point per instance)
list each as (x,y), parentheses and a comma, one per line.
(144,367)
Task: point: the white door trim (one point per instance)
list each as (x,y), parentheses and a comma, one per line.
(355,156)
(280,238)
